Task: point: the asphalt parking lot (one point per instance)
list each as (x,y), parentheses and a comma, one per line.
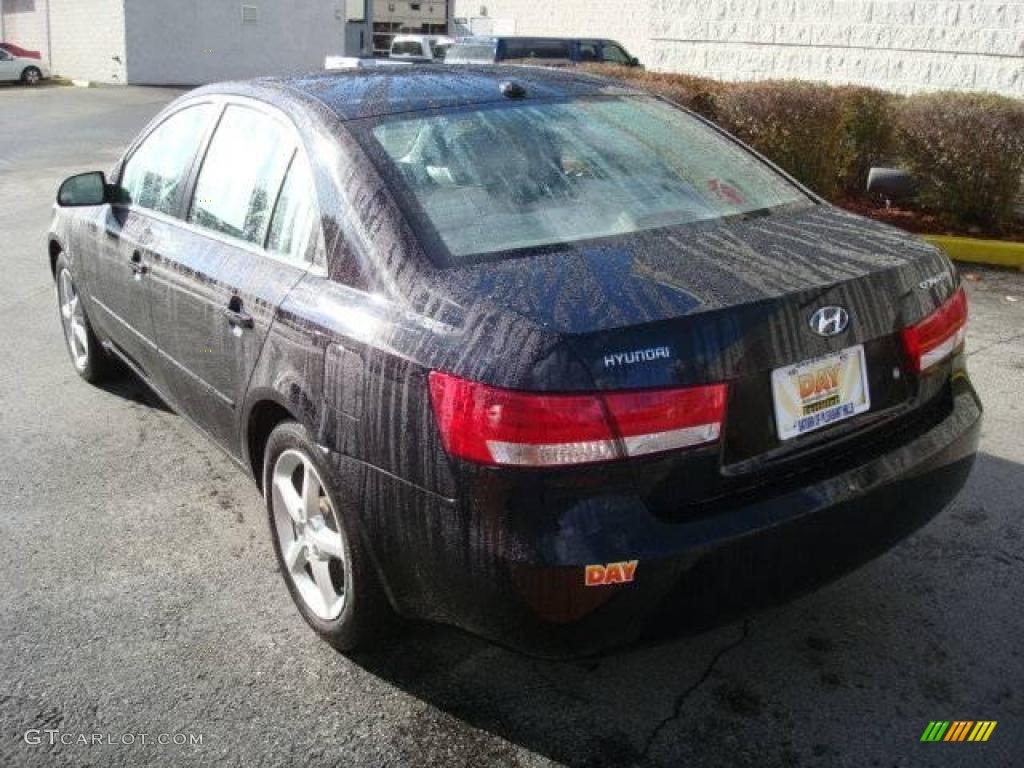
(140,595)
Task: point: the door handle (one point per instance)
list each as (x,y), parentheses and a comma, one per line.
(136,264)
(236,315)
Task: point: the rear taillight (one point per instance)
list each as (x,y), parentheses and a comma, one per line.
(505,427)
(939,335)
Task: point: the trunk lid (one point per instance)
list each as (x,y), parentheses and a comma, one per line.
(729,303)
(726,301)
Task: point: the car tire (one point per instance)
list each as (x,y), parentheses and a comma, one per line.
(88,357)
(31,75)
(317,539)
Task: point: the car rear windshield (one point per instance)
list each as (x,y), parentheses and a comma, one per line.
(520,176)
(479,53)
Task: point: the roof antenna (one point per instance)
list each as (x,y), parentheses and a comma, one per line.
(510,89)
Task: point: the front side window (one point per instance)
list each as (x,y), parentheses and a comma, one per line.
(614,54)
(295,213)
(510,177)
(242,174)
(157,171)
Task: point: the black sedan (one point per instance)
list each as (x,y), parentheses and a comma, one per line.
(523,351)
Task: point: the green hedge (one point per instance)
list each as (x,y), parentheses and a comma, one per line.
(699,94)
(966,150)
(796,125)
(867,135)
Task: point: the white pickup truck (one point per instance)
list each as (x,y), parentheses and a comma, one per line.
(420,49)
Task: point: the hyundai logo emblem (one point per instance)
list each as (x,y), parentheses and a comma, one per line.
(830,321)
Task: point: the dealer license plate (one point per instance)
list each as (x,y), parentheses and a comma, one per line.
(816,393)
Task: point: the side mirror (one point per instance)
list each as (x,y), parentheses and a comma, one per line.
(84,190)
(892,184)
(634,61)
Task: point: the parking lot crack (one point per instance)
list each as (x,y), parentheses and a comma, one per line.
(681,698)
(1000,342)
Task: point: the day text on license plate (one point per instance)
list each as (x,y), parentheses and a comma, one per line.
(816,393)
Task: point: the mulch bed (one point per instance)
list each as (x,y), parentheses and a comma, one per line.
(923,223)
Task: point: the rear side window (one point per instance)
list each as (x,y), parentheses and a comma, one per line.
(472,52)
(512,49)
(537,49)
(551,49)
(588,51)
(295,212)
(242,174)
(156,172)
(408,48)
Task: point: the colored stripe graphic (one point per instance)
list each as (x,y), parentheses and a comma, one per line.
(958,730)
(982,730)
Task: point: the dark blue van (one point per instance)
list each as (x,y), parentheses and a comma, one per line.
(547,51)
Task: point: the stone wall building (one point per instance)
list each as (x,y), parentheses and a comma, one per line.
(903,45)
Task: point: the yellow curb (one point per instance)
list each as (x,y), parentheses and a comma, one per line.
(999,253)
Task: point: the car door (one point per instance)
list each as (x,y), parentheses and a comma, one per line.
(126,234)
(8,66)
(241,251)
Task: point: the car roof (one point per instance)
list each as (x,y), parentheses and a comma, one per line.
(492,39)
(495,38)
(360,93)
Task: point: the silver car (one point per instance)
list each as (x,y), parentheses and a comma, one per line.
(28,70)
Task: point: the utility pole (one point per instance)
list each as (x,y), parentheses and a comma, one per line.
(49,39)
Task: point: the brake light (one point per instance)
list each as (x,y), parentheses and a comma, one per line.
(505,427)
(939,335)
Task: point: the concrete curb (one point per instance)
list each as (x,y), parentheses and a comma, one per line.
(999,253)
(82,83)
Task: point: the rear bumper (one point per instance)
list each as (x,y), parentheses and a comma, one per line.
(473,564)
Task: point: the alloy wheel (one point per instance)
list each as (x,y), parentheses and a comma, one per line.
(313,546)
(73,317)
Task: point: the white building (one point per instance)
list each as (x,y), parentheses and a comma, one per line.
(199,41)
(902,45)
